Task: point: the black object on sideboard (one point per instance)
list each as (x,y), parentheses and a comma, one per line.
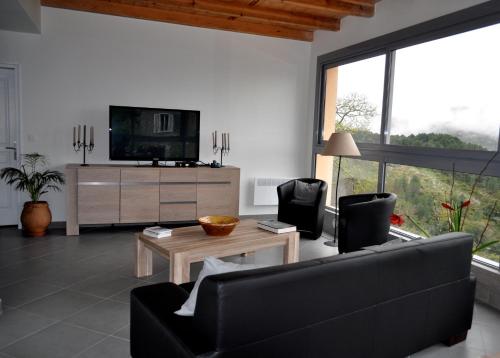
(383,301)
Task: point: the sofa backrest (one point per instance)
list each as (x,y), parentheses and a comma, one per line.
(303,304)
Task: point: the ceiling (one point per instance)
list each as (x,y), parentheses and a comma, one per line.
(291,19)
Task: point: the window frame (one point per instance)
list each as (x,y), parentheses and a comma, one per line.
(467,161)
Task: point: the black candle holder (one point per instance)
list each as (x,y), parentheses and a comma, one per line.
(82,145)
(224,148)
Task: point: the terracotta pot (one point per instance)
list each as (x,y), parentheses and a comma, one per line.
(36,217)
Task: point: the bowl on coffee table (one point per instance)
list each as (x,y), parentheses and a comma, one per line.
(218,225)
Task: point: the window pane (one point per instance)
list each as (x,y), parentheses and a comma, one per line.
(353,99)
(446,92)
(421,191)
(356,176)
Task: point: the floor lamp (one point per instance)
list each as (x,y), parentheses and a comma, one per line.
(339,145)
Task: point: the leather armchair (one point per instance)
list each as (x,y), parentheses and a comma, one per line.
(364,220)
(302,203)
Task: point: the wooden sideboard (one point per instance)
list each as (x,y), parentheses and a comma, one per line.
(114,194)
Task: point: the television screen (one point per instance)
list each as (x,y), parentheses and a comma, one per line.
(153,134)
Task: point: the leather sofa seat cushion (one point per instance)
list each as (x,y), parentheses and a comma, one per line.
(305,192)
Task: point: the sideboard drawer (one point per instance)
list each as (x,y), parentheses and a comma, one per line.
(140,175)
(220,175)
(92,175)
(177,192)
(178,212)
(178,175)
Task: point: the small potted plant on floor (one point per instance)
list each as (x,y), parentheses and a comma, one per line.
(34,178)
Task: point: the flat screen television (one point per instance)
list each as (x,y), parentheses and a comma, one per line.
(156,134)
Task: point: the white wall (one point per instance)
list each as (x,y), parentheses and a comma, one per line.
(390,16)
(252,86)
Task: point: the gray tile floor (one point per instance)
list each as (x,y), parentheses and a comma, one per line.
(69,296)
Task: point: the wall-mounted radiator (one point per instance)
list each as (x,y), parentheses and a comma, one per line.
(265,190)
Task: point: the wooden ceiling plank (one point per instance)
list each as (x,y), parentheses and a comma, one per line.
(180,17)
(361,2)
(243,11)
(338,8)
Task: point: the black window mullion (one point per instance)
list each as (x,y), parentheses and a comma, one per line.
(390,62)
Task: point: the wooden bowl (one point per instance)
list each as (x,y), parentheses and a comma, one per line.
(217,225)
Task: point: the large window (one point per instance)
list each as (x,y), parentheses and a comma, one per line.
(424,112)
(353,100)
(446,92)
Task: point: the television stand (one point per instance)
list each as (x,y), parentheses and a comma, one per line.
(125,194)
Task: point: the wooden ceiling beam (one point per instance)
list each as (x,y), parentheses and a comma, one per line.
(251,13)
(333,8)
(181,17)
(361,2)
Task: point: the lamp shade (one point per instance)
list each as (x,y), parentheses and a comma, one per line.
(341,144)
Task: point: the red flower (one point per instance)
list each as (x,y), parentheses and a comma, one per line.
(447,206)
(397,220)
(465,204)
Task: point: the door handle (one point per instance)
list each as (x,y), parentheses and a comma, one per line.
(15,151)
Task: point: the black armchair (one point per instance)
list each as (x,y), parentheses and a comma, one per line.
(302,203)
(364,220)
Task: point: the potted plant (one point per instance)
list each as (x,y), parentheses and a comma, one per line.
(34,178)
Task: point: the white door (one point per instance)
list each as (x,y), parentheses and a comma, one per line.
(8,144)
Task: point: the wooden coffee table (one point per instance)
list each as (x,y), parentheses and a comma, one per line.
(191,244)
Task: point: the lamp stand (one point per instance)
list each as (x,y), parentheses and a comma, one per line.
(333,243)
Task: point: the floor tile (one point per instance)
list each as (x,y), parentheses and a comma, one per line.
(69,274)
(22,271)
(60,304)
(459,351)
(491,339)
(124,296)
(57,341)
(106,317)
(15,324)
(436,351)
(484,315)
(123,333)
(25,291)
(104,285)
(474,338)
(109,348)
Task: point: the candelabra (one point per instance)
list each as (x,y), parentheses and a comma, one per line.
(225,146)
(78,144)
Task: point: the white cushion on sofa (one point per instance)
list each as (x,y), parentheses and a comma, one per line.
(211,266)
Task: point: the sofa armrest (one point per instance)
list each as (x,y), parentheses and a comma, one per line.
(155,331)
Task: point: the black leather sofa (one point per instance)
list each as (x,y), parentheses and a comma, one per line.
(302,203)
(383,301)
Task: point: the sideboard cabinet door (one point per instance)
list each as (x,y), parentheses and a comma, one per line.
(217,192)
(98,196)
(140,195)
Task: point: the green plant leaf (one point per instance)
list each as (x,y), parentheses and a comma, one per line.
(484,246)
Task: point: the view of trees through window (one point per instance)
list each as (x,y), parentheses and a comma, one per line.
(443,97)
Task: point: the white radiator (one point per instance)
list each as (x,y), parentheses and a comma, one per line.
(265,190)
